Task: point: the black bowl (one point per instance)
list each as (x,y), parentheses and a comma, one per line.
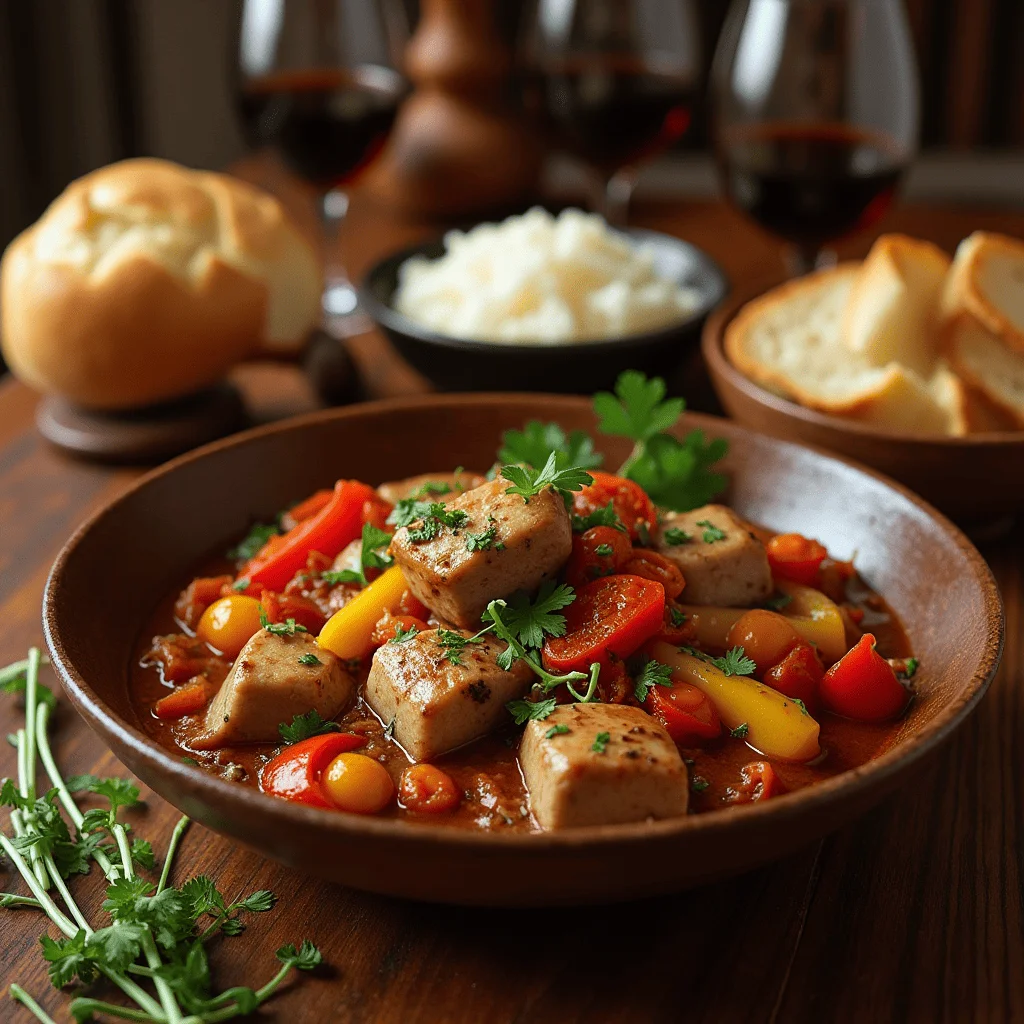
(454,364)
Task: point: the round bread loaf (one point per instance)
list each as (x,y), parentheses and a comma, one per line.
(146,281)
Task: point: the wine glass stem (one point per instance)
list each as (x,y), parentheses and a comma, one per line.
(611,196)
(339,298)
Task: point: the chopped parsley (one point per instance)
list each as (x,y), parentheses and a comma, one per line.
(606,516)
(556,730)
(537,442)
(734,663)
(740,732)
(287,628)
(453,644)
(711,532)
(653,673)
(190,761)
(402,635)
(698,784)
(253,542)
(523,711)
(484,541)
(778,601)
(676,616)
(801,705)
(433,520)
(675,536)
(604,550)
(910,667)
(528,482)
(373,539)
(600,743)
(240,585)
(309,659)
(432,487)
(302,727)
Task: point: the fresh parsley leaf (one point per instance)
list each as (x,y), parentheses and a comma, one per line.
(675,536)
(190,761)
(302,727)
(17,684)
(523,711)
(530,621)
(287,628)
(698,785)
(453,644)
(431,487)
(402,635)
(537,441)
(638,408)
(778,601)
(711,532)
(373,539)
(910,667)
(142,853)
(735,663)
(119,792)
(305,958)
(309,659)
(676,616)
(333,577)
(653,673)
(253,542)
(606,516)
(240,585)
(740,732)
(801,705)
(433,520)
(556,730)
(70,958)
(604,550)
(258,902)
(528,482)
(483,541)
(600,743)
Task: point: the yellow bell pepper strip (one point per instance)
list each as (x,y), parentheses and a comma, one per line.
(816,618)
(776,725)
(711,624)
(348,632)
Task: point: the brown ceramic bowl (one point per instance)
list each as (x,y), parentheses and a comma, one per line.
(115,569)
(976,480)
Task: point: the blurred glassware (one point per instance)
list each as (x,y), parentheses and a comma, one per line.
(319,81)
(614,81)
(815,116)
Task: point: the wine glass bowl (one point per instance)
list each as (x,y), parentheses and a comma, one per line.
(613,82)
(815,115)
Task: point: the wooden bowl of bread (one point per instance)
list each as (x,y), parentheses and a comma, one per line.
(907,361)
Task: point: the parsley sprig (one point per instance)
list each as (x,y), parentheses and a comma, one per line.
(537,441)
(433,518)
(370,557)
(734,663)
(154,932)
(606,516)
(247,548)
(453,644)
(302,727)
(652,673)
(529,482)
(287,628)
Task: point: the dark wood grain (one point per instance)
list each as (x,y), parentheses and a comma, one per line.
(915,913)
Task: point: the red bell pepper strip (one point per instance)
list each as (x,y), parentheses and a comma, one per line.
(295,773)
(687,713)
(338,523)
(610,618)
(862,685)
(795,557)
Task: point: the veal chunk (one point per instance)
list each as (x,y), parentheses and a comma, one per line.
(722,562)
(634,774)
(505,545)
(270,684)
(437,705)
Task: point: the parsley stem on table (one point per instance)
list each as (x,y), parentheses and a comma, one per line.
(172,849)
(19,995)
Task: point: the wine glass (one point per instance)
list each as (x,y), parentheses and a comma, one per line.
(614,81)
(815,116)
(319,82)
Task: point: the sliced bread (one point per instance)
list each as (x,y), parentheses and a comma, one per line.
(913,404)
(987,281)
(982,359)
(891,314)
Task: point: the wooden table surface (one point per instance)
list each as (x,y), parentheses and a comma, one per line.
(916,912)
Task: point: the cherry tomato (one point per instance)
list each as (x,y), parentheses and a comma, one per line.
(685,711)
(282,607)
(230,623)
(610,617)
(862,685)
(357,783)
(428,790)
(389,624)
(376,512)
(654,566)
(795,557)
(766,637)
(295,774)
(799,676)
(630,500)
(599,551)
(759,782)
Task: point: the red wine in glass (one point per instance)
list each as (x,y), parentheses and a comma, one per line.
(810,183)
(614,111)
(327,124)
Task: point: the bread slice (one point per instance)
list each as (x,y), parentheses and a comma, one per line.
(987,281)
(891,314)
(985,363)
(789,342)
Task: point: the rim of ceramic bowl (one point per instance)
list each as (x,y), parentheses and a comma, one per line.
(719,365)
(785,807)
(383,313)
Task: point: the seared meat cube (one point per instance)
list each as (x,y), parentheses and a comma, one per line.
(273,680)
(722,561)
(615,764)
(504,545)
(430,486)
(437,705)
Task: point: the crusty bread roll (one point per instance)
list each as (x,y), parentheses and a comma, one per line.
(891,314)
(987,282)
(145,281)
(789,340)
